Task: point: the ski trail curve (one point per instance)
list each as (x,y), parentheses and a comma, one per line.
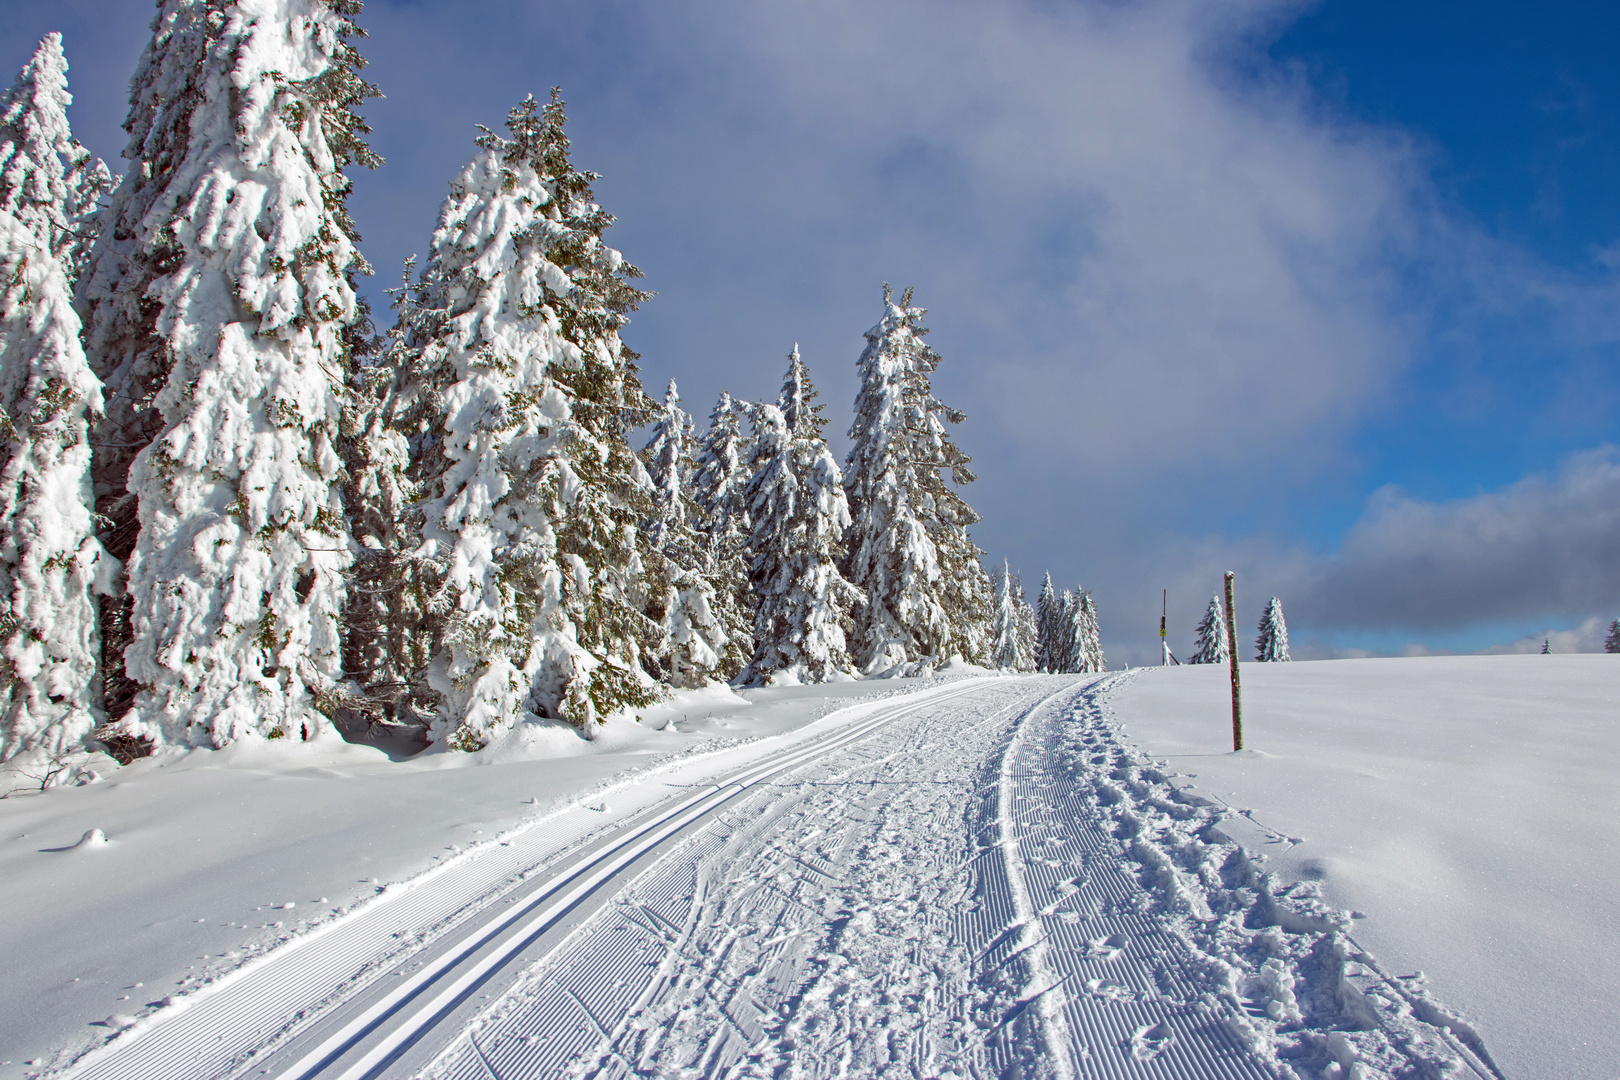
(992,886)
(402,965)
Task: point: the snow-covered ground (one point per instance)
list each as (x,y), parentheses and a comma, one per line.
(1467,806)
(977,876)
(213,858)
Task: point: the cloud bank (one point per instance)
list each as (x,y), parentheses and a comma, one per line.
(1174,291)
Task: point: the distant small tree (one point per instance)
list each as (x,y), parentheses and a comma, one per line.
(1546,646)
(1611,644)
(1048,618)
(1272,644)
(1212,647)
(1006,648)
(1089,634)
(1027,631)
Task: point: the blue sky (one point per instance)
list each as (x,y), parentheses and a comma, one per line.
(1326,294)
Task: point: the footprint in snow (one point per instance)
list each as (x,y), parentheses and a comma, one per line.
(1108,948)
(1149,1042)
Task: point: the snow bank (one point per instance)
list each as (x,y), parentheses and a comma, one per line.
(1462,807)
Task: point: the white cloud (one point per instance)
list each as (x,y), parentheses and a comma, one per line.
(1585,637)
(1548,545)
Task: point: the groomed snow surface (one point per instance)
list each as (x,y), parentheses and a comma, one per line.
(970,876)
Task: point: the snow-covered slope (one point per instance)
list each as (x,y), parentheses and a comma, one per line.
(1466,805)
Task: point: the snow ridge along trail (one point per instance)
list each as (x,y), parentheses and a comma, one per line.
(990,886)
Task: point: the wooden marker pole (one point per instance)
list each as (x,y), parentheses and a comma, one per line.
(1164,642)
(1232,646)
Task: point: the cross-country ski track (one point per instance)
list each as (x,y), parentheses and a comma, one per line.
(981,878)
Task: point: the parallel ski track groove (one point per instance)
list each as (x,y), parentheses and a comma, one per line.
(700,967)
(237,1015)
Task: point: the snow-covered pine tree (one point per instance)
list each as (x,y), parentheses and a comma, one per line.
(1004,633)
(1611,644)
(522,398)
(1048,628)
(798,516)
(387,644)
(1089,635)
(1066,634)
(1212,647)
(721,470)
(1027,631)
(1272,644)
(927,595)
(682,597)
(48,182)
(50,560)
(221,314)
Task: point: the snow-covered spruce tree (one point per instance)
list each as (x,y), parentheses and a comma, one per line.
(1048,626)
(1212,647)
(521,398)
(798,516)
(1026,626)
(1004,644)
(721,471)
(48,182)
(722,468)
(682,596)
(50,560)
(386,644)
(1091,648)
(221,314)
(1272,644)
(927,595)
(1066,637)
(1012,630)
(1611,644)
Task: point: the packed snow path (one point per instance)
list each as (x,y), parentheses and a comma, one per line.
(977,880)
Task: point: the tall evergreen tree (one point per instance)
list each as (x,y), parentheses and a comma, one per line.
(1090,635)
(1013,631)
(50,560)
(721,471)
(1212,647)
(1067,634)
(683,598)
(1611,644)
(222,316)
(927,595)
(387,640)
(1027,631)
(1048,629)
(1272,644)
(532,499)
(798,516)
(1004,636)
(48,182)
